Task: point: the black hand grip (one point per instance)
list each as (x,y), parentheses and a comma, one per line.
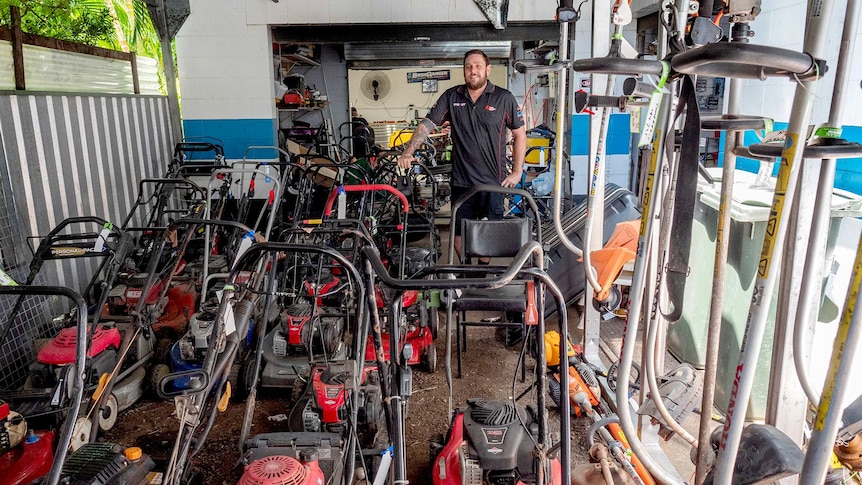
(538,66)
(618,65)
(747,61)
(585,100)
(733,122)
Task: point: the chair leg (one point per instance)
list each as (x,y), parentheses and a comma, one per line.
(464,330)
(458,342)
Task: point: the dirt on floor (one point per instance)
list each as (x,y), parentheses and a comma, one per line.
(490,370)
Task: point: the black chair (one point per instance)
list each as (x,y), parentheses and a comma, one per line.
(494,239)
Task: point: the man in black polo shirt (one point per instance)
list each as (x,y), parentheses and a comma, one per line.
(479,113)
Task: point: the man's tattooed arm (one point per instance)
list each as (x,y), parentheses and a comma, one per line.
(420,134)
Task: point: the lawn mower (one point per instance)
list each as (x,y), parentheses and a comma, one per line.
(338,400)
(159,249)
(488,441)
(338,405)
(209,390)
(113,344)
(413,313)
(188,352)
(34,438)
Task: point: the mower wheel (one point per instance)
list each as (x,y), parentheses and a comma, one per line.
(430,359)
(81,433)
(438,442)
(157,373)
(162,352)
(241,377)
(108,416)
(434,321)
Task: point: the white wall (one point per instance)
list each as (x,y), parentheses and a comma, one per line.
(394,107)
(225,64)
(262,12)
(782,24)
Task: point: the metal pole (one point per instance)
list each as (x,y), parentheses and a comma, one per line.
(718,275)
(821,219)
(170,70)
(651,211)
(829,416)
(776,232)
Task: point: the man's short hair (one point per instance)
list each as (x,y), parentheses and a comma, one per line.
(477,51)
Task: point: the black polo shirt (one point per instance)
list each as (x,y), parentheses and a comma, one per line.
(478,132)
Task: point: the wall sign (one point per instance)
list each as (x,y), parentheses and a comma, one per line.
(418,77)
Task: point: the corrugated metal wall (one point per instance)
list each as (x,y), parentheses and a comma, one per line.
(66,155)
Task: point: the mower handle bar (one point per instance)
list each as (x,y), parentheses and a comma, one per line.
(263,147)
(198,146)
(749,61)
(532,248)
(213,222)
(80,359)
(405,206)
(169,181)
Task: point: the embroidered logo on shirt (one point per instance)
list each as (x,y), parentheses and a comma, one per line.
(459,105)
(490,108)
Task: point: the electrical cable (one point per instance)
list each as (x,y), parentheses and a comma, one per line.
(593,429)
(521,357)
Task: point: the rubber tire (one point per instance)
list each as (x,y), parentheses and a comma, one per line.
(241,378)
(434,321)
(162,351)
(429,361)
(157,373)
(108,415)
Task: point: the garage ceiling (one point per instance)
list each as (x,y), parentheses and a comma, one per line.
(453,51)
(391,33)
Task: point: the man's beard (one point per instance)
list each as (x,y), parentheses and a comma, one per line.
(476,84)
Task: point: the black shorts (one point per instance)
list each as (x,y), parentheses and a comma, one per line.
(481,205)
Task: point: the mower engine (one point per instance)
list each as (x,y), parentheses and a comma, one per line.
(13,427)
(193,345)
(96,463)
(54,357)
(299,331)
(489,445)
(284,469)
(327,409)
(124,297)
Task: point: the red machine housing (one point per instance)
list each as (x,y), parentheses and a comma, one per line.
(280,469)
(29,460)
(61,350)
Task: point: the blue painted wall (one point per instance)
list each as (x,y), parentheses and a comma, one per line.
(237,135)
(848,172)
(619,137)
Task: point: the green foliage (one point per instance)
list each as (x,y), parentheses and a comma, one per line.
(114,24)
(81,21)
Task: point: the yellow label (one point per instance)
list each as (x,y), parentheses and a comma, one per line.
(769,239)
(834,462)
(653,161)
(67,251)
(840,341)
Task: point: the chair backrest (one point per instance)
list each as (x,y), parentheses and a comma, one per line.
(495,238)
